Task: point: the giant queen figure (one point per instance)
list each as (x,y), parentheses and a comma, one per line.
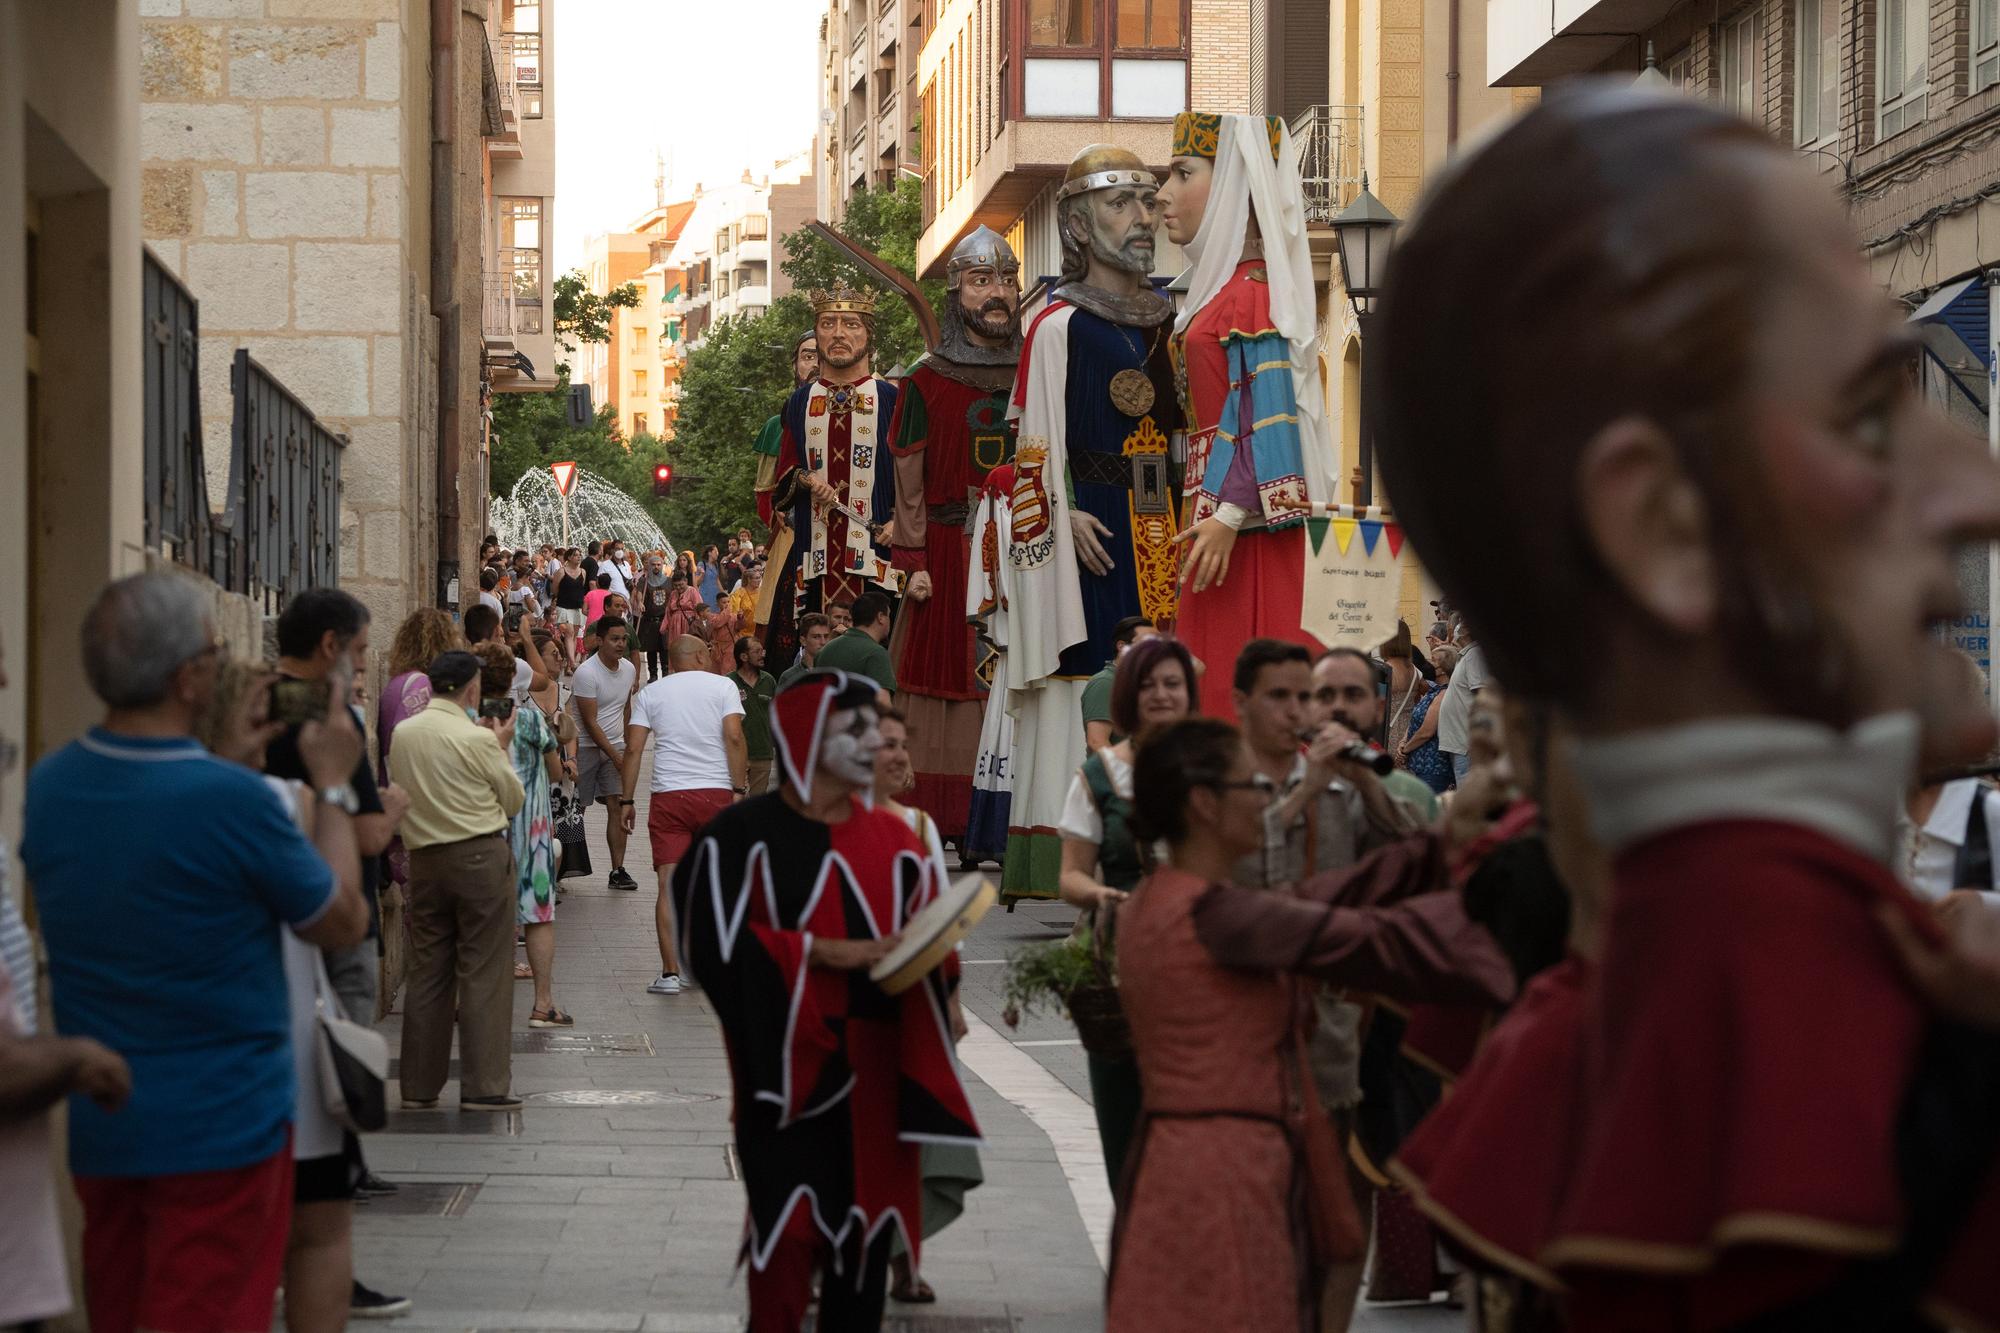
(834,483)
(951,431)
(1246,350)
(1094,503)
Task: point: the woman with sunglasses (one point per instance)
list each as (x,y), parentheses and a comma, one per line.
(1101,860)
(1213,979)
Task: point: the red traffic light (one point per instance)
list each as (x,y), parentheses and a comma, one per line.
(663,479)
(663,473)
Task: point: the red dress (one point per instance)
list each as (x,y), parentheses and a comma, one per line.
(1265,590)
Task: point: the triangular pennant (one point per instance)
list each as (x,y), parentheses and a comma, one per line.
(1395,532)
(1343,533)
(1316,530)
(1371,532)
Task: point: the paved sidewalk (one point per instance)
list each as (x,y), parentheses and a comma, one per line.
(611,1202)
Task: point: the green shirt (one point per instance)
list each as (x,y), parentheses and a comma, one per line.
(792,673)
(857,653)
(757,712)
(1097,695)
(1413,791)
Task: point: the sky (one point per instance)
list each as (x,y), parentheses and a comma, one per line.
(713,85)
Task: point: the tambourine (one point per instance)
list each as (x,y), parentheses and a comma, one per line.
(934,932)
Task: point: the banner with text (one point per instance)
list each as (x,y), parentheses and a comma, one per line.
(1353,581)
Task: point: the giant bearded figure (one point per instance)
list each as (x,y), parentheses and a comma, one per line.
(951,432)
(1093,506)
(1246,351)
(834,483)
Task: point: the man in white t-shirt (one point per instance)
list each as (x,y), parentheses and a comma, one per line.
(701,763)
(599,695)
(1455,713)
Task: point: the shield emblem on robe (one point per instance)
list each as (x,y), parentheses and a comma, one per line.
(992,442)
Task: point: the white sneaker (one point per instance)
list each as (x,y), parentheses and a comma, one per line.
(667,983)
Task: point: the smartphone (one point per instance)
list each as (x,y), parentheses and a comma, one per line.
(499,709)
(297,701)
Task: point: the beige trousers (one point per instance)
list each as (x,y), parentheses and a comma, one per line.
(461,910)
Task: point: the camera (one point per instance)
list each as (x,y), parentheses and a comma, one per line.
(294,702)
(499,709)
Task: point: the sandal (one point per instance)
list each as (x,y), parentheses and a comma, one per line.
(551,1017)
(914,1291)
(522,972)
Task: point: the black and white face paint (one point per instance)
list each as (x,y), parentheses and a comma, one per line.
(853,735)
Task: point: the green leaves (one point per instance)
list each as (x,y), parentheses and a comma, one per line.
(582,316)
(888,223)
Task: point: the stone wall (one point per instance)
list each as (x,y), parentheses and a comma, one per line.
(286,165)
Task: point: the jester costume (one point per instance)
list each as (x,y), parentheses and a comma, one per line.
(837,1085)
(1246,354)
(951,431)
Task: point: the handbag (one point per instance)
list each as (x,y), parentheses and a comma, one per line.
(1094,1005)
(353,1062)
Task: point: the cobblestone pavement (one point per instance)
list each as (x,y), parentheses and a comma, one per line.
(611,1202)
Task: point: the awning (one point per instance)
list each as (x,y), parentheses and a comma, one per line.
(1953,324)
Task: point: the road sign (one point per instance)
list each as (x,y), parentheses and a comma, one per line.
(565,477)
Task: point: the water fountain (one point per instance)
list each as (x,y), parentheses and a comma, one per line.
(535,512)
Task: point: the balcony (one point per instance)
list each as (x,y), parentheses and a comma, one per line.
(1329,141)
(756,251)
(505,313)
(507,143)
(1534,42)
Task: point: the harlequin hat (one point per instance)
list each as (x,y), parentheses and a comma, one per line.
(1101,166)
(1198,133)
(798,719)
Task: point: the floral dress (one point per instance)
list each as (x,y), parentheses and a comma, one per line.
(532,831)
(1427,761)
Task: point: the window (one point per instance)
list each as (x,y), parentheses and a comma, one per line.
(638,423)
(722,240)
(638,384)
(1985,43)
(1679,69)
(1148,24)
(757,227)
(1904,46)
(521,259)
(526,25)
(638,339)
(1064,22)
(1819,71)
(1743,67)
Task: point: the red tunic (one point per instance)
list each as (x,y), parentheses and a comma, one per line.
(1265,590)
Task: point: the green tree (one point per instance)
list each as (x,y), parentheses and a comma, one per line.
(888,222)
(582,316)
(531,430)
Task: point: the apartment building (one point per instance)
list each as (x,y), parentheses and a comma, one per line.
(867,98)
(518,314)
(731,252)
(631,372)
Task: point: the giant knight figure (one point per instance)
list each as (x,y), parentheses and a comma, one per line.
(1093,505)
(951,431)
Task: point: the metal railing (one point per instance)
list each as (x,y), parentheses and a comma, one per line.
(284,486)
(496,316)
(1330,144)
(178,523)
(503,70)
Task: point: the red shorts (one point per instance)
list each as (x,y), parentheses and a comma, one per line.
(195,1253)
(675,818)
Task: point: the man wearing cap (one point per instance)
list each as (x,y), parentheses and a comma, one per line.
(1093,504)
(951,431)
(784,903)
(835,485)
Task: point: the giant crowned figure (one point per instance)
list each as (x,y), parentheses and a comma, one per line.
(834,483)
(1093,505)
(951,431)
(1246,353)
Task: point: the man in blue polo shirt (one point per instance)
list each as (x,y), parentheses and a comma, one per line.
(163,876)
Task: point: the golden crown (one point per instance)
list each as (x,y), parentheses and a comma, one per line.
(845,300)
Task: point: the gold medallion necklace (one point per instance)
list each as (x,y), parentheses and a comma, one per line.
(1132,390)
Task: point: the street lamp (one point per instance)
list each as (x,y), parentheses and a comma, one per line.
(1365,232)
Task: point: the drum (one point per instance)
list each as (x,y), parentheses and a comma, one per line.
(934,932)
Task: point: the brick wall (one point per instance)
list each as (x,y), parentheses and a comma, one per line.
(1219,64)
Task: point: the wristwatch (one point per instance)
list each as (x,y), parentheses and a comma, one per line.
(342,796)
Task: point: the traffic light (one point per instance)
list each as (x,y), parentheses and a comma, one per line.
(663,480)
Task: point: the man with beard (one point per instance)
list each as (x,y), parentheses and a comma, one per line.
(831,472)
(951,431)
(1735,504)
(1093,504)
(784,904)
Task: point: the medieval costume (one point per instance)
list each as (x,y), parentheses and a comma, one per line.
(986,600)
(1094,411)
(837,1085)
(1235,1200)
(1246,357)
(951,431)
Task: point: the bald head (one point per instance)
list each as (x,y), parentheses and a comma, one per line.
(688,653)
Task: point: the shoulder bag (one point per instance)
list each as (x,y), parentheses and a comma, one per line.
(353,1062)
